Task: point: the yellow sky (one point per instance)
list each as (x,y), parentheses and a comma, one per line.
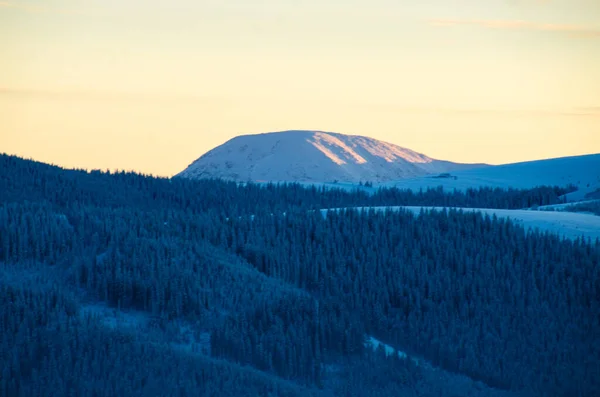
(151,85)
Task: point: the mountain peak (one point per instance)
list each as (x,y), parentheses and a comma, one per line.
(313,156)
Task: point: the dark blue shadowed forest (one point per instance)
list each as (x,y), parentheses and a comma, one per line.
(120,284)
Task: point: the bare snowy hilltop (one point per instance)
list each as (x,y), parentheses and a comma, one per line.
(581,171)
(315,156)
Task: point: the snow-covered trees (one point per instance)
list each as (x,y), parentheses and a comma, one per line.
(286,298)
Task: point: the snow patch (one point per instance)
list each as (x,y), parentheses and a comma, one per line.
(563,207)
(389,350)
(567,224)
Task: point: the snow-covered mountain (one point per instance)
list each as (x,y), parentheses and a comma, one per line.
(314,156)
(581,171)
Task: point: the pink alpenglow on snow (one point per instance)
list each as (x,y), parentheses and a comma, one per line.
(315,156)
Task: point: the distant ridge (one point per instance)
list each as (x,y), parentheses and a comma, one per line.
(583,172)
(314,156)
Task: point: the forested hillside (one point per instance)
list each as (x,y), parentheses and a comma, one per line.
(25,180)
(592,207)
(124,284)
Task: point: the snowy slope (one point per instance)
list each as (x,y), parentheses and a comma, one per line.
(567,224)
(582,171)
(314,156)
(565,206)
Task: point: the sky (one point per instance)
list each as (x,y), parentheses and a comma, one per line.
(152,85)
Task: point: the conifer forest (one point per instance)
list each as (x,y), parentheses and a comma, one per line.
(122,284)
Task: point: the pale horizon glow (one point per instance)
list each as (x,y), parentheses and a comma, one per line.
(152,85)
